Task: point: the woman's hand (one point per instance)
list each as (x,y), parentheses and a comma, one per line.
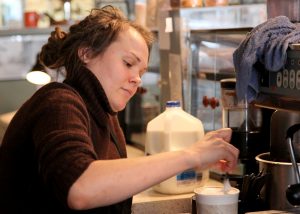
(214,150)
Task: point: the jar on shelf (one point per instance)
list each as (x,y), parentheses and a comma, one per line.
(175,3)
(212,3)
(191,3)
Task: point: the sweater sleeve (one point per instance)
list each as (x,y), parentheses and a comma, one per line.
(62,142)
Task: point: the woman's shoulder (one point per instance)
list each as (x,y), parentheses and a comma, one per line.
(56,94)
(57,86)
(53,100)
(57,90)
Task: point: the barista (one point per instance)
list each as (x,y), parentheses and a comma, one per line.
(64,151)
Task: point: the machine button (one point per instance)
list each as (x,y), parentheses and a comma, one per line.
(298,80)
(279,79)
(292,79)
(285,78)
(292,62)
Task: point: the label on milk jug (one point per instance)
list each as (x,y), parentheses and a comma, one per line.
(187,177)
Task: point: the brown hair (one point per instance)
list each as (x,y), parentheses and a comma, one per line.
(95,33)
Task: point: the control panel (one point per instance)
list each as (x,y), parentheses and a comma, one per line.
(285,82)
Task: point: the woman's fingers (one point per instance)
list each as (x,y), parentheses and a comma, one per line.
(229,159)
(224,133)
(215,147)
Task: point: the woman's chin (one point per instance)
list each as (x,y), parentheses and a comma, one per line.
(119,107)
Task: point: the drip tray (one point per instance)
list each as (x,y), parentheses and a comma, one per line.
(292,211)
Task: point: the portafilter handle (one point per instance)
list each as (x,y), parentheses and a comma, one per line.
(293,190)
(289,138)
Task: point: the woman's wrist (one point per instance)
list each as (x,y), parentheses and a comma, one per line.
(191,158)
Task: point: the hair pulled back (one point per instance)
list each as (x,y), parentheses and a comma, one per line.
(94,33)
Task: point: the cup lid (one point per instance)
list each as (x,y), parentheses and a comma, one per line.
(216,195)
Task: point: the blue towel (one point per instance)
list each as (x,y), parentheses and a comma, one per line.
(267,43)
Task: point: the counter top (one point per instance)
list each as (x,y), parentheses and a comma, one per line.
(273,212)
(150,201)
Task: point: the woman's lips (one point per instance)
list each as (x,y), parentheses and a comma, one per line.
(128,91)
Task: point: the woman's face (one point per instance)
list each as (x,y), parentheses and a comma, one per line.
(120,67)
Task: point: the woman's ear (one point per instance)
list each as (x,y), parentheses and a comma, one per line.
(83,54)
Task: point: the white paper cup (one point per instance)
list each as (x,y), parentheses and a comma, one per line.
(213,200)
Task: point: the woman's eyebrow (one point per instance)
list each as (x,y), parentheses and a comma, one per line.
(135,56)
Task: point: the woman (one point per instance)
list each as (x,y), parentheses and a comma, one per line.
(64,150)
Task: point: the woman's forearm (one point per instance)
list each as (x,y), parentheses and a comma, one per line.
(109,181)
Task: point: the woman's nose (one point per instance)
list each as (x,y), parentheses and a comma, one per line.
(136,79)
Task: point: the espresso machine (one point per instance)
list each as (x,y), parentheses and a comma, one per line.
(281,91)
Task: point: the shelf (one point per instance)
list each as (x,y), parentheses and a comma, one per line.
(215,76)
(28,31)
(224,17)
(41,31)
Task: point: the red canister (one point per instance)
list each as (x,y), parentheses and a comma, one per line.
(31,19)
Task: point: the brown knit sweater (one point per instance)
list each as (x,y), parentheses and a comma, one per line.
(51,140)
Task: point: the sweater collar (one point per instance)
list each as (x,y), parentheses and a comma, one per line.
(92,92)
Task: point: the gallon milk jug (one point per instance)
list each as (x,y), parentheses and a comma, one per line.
(174,129)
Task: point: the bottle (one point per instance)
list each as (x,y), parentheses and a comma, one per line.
(172,130)
(141,12)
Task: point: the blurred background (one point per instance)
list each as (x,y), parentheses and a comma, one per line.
(194,42)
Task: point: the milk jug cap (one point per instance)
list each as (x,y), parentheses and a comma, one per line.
(173,103)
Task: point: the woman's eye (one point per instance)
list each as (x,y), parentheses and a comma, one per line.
(127,64)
